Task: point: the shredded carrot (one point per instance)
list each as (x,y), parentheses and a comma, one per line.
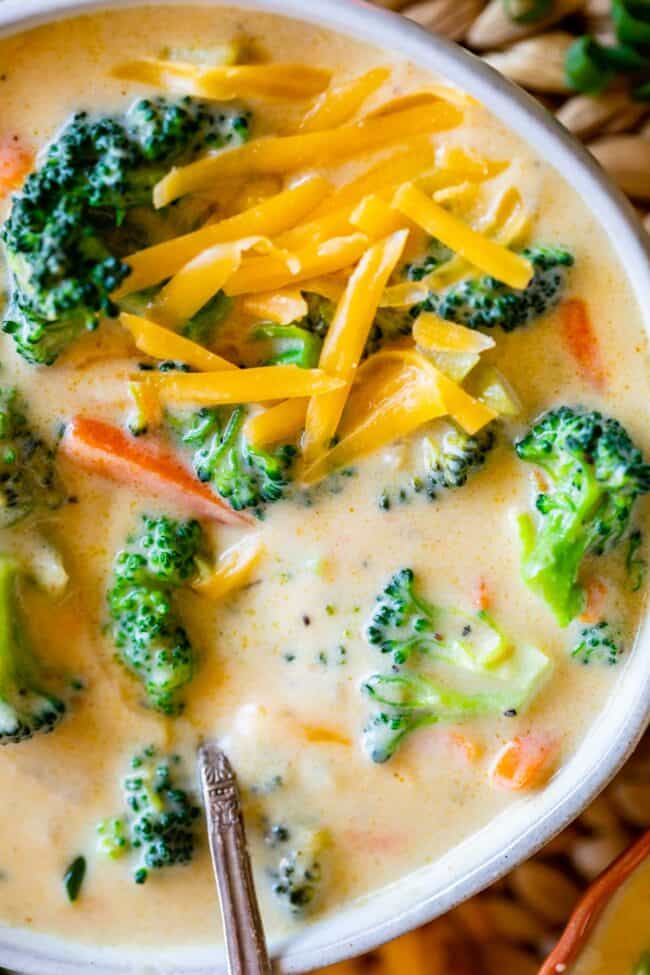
(524,762)
(15,163)
(595,595)
(482,598)
(108,451)
(582,342)
(320,735)
(464,746)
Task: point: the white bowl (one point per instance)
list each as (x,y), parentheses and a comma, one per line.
(530,823)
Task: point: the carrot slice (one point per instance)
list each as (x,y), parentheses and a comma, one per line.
(106,450)
(595,596)
(582,342)
(15,163)
(524,762)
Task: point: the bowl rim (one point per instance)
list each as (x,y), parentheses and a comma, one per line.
(392,911)
(593,904)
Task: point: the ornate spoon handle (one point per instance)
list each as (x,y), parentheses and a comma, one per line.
(245,941)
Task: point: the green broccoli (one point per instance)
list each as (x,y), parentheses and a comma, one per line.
(28,480)
(69,227)
(288,344)
(27,706)
(297,881)
(636,565)
(451,455)
(160,824)
(151,641)
(389,324)
(406,626)
(598,643)
(485,302)
(203,326)
(595,474)
(403,623)
(244,475)
(436,255)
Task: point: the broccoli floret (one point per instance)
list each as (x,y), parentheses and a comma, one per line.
(69,226)
(485,302)
(298,879)
(288,344)
(28,480)
(112,841)
(389,325)
(160,824)
(244,475)
(436,255)
(27,706)
(598,643)
(406,626)
(410,701)
(451,455)
(595,474)
(150,639)
(203,327)
(404,623)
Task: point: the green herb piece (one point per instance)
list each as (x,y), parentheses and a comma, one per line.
(73,878)
(585,67)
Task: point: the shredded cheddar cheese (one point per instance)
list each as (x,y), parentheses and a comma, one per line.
(286,154)
(487,255)
(347,336)
(233,570)
(161,343)
(226,82)
(267,219)
(255,385)
(281,423)
(338,104)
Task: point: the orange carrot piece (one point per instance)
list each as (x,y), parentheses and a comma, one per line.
(582,342)
(482,597)
(106,450)
(15,163)
(524,762)
(595,595)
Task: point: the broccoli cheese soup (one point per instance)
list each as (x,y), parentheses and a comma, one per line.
(323,415)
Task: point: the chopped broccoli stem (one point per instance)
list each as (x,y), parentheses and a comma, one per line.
(27,707)
(288,345)
(28,479)
(76,216)
(595,474)
(485,302)
(244,475)
(151,641)
(159,826)
(598,643)
(410,701)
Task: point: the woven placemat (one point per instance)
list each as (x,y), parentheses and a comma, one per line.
(510,928)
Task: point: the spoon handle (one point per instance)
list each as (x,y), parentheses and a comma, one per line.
(245,941)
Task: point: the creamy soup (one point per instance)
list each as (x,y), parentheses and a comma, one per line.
(621,941)
(405,339)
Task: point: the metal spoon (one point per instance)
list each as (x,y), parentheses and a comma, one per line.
(245,941)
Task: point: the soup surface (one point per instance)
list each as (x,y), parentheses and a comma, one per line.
(364,752)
